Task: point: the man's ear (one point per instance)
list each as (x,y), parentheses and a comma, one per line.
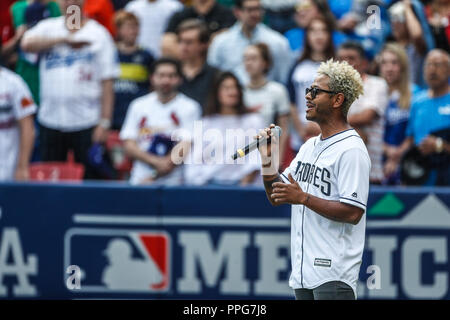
(237,13)
(339,99)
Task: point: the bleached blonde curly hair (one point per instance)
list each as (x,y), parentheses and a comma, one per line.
(343,79)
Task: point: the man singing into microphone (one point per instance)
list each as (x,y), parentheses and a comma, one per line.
(327,185)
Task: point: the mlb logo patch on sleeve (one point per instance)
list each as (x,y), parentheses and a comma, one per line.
(322,262)
(26,102)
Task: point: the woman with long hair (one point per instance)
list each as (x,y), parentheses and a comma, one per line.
(394,68)
(318,48)
(268,98)
(226,126)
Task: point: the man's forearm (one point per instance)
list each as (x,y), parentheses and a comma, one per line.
(133,151)
(39,44)
(268,181)
(26,142)
(333,210)
(406,145)
(107,99)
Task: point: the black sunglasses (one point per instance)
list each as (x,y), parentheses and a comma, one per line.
(314,91)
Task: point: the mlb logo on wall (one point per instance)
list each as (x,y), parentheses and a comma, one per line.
(118,260)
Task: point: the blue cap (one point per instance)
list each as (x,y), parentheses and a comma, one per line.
(36,12)
(161,145)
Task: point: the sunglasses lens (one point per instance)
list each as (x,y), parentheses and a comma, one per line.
(312,91)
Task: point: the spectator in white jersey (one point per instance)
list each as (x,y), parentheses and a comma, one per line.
(268,98)
(227,49)
(327,185)
(16,126)
(78,65)
(367,113)
(152,131)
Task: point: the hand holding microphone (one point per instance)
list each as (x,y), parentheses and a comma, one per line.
(266,141)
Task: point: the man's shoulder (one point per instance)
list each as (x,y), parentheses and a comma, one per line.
(136,5)
(306,66)
(11,77)
(187,103)
(372,81)
(310,143)
(273,37)
(276,88)
(143,102)
(94,26)
(211,70)
(227,35)
(353,145)
(185,13)
(52,22)
(420,97)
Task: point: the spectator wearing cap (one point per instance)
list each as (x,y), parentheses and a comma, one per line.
(77,68)
(227,49)
(155,132)
(367,113)
(26,15)
(216,17)
(135,63)
(394,68)
(153,17)
(198,75)
(429,122)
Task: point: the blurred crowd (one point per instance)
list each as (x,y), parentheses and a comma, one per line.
(118,87)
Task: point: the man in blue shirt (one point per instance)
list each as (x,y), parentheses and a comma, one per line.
(429,122)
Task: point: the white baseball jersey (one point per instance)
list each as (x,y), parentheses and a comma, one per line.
(15,103)
(71,78)
(147,116)
(322,250)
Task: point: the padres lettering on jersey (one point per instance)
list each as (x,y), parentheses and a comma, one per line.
(336,168)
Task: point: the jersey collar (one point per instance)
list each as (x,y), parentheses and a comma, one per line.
(335,137)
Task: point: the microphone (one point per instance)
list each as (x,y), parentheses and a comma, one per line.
(240,153)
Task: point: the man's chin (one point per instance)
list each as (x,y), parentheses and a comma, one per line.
(310,117)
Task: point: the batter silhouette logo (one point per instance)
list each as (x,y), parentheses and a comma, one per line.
(118,260)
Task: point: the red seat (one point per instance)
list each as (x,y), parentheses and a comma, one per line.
(57,171)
